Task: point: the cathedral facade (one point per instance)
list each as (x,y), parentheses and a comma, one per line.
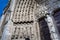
(31,20)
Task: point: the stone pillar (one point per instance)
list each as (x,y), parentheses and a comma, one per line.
(52,27)
(7,31)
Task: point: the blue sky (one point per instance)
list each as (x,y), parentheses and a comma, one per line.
(3,4)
